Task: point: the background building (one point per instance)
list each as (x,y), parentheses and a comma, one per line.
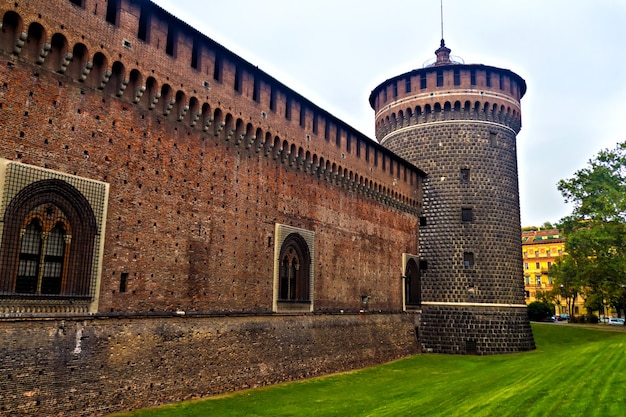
(540,250)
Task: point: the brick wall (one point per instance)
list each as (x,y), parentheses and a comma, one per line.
(200,172)
(90,367)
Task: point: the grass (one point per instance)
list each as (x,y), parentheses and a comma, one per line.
(574,372)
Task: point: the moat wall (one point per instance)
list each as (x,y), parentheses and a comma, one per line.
(94,366)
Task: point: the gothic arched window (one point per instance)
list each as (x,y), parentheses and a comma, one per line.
(413,285)
(294,274)
(48,243)
(42,254)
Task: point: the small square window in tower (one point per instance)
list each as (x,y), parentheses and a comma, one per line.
(468,259)
(467,215)
(465,175)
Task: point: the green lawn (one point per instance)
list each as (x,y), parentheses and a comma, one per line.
(574,372)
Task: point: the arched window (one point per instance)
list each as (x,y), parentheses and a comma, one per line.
(412,282)
(294,275)
(30,254)
(50,242)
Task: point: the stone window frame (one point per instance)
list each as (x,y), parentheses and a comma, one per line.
(407,272)
(79,204)
(303,241)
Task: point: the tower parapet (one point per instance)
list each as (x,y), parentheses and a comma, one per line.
(458,123)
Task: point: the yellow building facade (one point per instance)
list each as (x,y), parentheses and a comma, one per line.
(540,250)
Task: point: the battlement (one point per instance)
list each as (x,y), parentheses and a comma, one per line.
(137,52)
(448,92)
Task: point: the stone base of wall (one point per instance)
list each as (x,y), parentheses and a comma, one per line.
(84,367)
(475,330)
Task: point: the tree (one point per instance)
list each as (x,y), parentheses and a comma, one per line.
(595,263)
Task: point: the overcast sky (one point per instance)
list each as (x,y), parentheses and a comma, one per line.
(335,52)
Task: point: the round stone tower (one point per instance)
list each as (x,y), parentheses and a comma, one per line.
(458,123)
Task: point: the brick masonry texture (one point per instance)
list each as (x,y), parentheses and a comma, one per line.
(204,155)
(199,177)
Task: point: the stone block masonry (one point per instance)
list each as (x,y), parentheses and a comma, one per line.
(91,367)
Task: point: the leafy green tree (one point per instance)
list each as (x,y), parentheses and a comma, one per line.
(595,263)
(568,281)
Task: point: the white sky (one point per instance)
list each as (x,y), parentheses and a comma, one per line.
(335,52)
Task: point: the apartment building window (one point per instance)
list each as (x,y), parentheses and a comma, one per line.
(525,265)
(538,278)
(537,265)
(527,280)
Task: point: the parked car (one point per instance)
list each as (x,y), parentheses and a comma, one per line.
(564,317)
(617,321)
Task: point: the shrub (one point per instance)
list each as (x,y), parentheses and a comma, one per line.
(539,310)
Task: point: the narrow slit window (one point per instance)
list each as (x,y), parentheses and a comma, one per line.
(143,31)
(113,7)
(123,281)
